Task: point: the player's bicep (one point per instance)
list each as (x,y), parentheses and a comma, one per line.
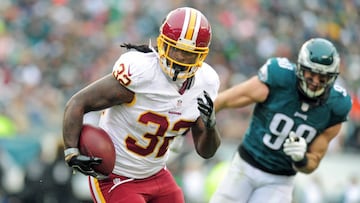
(104,93)
(243,94)
(257,91)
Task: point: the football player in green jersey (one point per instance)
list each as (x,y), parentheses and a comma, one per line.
(298,111)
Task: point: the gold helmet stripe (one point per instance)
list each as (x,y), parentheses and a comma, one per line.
(191,26)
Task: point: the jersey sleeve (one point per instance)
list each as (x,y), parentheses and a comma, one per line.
(130,69)
(341,103)
(211,80)
(277,72)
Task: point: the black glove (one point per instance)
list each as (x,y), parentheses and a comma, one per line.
(207,112)
(84,164)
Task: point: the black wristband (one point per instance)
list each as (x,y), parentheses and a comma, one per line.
(301,163)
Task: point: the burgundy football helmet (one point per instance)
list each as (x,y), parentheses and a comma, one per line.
(185,30)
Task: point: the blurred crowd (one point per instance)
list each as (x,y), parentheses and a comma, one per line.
(51,49)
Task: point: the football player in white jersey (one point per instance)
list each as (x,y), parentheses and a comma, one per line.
(152,95)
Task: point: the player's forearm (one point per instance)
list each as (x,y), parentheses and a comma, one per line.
(219,104)
(208,143)
(72,123)
(311,165)
(318,149)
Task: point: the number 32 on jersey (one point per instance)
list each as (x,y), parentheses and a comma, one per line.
(158,143)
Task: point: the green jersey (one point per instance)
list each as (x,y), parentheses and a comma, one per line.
(283,111)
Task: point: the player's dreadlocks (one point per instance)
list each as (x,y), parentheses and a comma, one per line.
(142,48)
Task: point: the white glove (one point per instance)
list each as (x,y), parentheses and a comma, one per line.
(295,147)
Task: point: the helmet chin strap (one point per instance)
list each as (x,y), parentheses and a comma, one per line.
(176,73)
(177,68)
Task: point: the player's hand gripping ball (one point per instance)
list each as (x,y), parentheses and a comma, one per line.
(295,147)
(95,142)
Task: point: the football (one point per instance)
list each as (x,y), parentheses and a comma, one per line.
(95,142)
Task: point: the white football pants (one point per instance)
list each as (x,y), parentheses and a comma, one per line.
(244,183)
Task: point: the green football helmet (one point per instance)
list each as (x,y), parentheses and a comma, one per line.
(318,56)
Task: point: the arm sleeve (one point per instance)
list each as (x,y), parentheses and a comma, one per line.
(130,70)
(341,106)
(277,72)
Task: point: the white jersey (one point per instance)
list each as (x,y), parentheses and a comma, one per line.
(143,130)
